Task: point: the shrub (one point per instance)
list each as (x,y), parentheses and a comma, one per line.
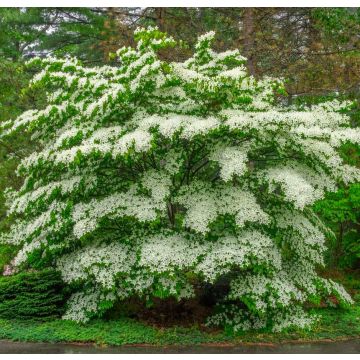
(32,295)
(7,252)
(341,211)
(155,177)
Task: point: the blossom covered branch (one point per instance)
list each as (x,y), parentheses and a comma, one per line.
(154,176)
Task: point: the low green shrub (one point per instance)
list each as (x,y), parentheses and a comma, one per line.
(32,295)
(7,252)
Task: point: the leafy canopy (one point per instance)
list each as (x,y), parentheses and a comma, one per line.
(155,177)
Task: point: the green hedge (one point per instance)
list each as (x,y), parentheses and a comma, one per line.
(32,295)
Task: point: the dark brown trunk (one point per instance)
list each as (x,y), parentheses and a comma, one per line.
(160,14)
(249,37)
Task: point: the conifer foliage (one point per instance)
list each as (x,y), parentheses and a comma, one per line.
(154,176)
(34,295)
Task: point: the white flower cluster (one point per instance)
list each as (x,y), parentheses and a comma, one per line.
(243,320)
(87,215)
(244,251)
(296,221)
(294,184)
(83,305)
(22,202)
(165,253)
(232,161)
(103,262)
(152,171)
(205,204)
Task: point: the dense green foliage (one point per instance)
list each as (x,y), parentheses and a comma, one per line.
(29,31)
(32,295)
(341,211)
(15,97)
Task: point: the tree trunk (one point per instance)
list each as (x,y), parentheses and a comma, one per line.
(339,246)
(160,15)
(249,38)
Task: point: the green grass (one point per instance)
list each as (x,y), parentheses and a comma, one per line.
(335,324)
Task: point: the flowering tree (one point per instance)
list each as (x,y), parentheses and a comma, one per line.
(156,176)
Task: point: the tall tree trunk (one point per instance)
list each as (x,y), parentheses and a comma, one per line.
(160,15)
(249,37)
